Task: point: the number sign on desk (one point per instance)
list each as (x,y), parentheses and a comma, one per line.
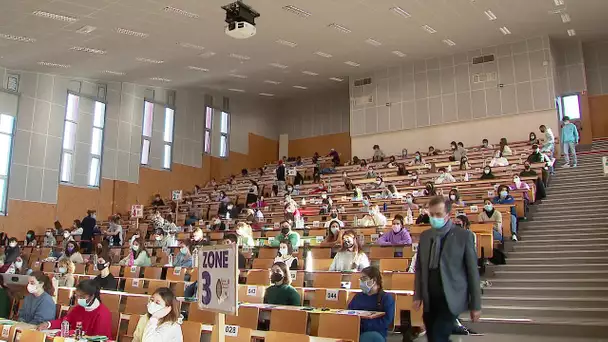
(252,291)
(331,295)
(374,237)
(6,331)
(217,279)
(232,330)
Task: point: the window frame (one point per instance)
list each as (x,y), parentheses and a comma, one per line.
(149,138)
(90,153)
(225,135)
(11,135)
(168,143)
(561,106)
(208,130)
(145,137)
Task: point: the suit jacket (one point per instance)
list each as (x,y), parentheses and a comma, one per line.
(458,267)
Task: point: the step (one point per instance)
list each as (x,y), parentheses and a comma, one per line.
(578,174)
(546,311)
(556,260)
(560,228)
(531,235)
(572,329)
(553,274)
(572,220)
(595,182)
(579,199)
(574,291)
(573,240)
(598,214)
(548,253)
(572,248)
(549,283)
(546,301)
(588,267)
(583,191)
(560,209)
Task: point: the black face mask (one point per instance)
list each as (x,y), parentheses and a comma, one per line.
(276,277)
(429,187)
(334,215)
(284,231)
(101,267)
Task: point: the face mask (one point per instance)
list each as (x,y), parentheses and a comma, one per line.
(453,147)
(284,231)
(18,264)
(158,238)
(488,207)
(32,288)
(487,172)
(527,167)
(12,244)
(283,251)
(135,248)
(503,194)
(365,286)
(441,174)
(276,277)
(409,200)
(197,238)
(184,250)
(48,233)
(532,137)
(334,230)
(70,249)
(437,222)
(83,302)
(453,197)
(66,235)
(536,150)
(517,181)
(378,182)
(396,228)
(334,215)
(101,267)
(154,308)
(62,270)
(348,244)
(94,216)
(417,157)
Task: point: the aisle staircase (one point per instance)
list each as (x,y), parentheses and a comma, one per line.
(555,282)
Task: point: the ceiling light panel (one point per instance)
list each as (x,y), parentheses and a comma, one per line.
(207,54)
(54,16)
(197,68)
(116,73)
(160,79)
(87,29)
(429,29)
(372,42)
(297,11)
(240,57)
(351,63)
(310,73)
(400,11)
(89,50)
(491,16)
(571,32)
(272,82)
(504,30)
(148,60)
(279,65)
(339,28)
(237,90)
(399,53)
(337,79)
(132,33)
(237,76)
(449,42)
(286,43)
(267,94)
(191,46)
(558,2)
(300,87)
(175,10)
(323,54)
(54,65)
(21,39)
(565,17)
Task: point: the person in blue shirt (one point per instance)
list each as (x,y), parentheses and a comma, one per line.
(38,306)
(373,298)
(569,139)
(505,198)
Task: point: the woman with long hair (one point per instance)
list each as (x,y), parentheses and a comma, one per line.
(160,324)
(38,306)
(334,234)
(281,292)
(351,256)
(138,256)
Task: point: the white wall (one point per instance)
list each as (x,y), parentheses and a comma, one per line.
(596,65)
(513,127)
(569,66)
(315,114)
(440,91)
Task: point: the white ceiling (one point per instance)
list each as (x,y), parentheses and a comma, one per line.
(462,21)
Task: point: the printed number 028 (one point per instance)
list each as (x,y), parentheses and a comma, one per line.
(206,283)
(230,329)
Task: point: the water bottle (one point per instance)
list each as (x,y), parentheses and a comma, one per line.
(171,259)
(356,221)
(78,333)
(65,329)
(384,207)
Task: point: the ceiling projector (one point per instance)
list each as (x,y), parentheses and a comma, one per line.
(240,20)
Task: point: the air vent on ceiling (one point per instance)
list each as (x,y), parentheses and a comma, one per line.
(483,59)
(363,81)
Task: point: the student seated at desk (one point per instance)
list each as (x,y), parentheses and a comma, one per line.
(463,222)
(454,198)
(285,255)
(487,173)
(504,149)
(65,268)
(378,154)
(158,201)
(49,239)
(418,160)
(391,192)
(505,198)
(414,179)
(138,256)
(409,202)
(486,145)
(184,257)
(231,239)
(95,317)
(245,234)
(72,252)
(160,324)
(398,235)
(429,189)
(373,298)
(432,152)
(489,214)
(444,177)
(540,193)
(334,234)
(286,235)
(105,279)
(499,160)
(38,306)
(519,185)
(464,164)
(281,292)
(30,239)
(350,258)
(11,253)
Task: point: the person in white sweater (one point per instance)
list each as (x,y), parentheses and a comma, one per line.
(350,258)
(160,324)
(72,252)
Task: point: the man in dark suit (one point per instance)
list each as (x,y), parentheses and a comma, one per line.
(447,279)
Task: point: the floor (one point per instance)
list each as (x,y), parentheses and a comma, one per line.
(503,338)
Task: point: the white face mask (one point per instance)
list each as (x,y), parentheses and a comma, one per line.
(283,251)
(335,230)
(158,238)
(135,248)
(154,308)
(517,181)
(453,197)
(62,270)
(32,288)
(66,235)
(487,172)
(409,200)
(12,244)
(19,264)
(184,250)
(396,228)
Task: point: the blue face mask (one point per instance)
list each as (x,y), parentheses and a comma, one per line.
(365,287)
(503,194)
(82,302)
(488,207)
(437,222)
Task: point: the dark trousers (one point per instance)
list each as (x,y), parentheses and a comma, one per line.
(438,321)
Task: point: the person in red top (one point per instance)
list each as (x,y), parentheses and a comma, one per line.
(95,317)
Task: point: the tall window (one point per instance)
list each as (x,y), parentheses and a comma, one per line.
(168,138)
(147,132)
(208,123)
(7,124)
(568,105)
(69,141)
(224,131)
